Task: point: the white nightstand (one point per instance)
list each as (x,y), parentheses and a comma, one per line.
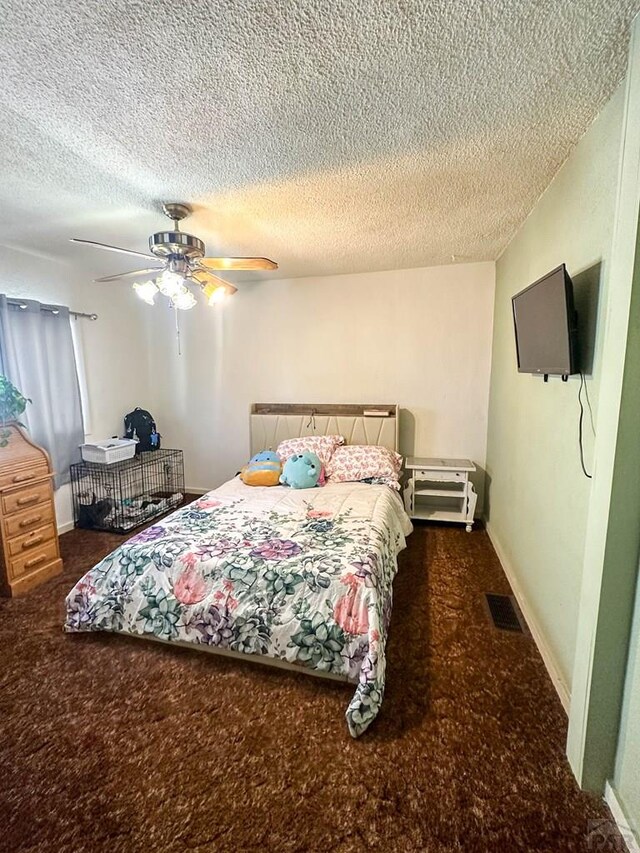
(440,490)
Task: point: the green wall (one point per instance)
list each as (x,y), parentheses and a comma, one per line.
(538,498)
(627,774)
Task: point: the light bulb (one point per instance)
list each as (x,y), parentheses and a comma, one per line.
(146,290)
(218,295)
(170,283)
(183,300)
(214,293)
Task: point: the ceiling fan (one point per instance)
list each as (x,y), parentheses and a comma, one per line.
(181,265)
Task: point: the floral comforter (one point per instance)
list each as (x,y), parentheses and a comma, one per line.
(304,576)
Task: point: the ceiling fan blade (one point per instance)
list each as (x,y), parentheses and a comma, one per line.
(132,274)
(203,276)
(239,264)
(206,278)
(113,248)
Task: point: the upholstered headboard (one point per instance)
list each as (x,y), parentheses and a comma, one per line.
(271,423)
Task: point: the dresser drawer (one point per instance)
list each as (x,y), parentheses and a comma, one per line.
(34,559)
(24,498)
(21,544)
(440,476)
(28,520)
(24,477)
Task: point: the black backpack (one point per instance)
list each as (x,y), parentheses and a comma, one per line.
(140,424)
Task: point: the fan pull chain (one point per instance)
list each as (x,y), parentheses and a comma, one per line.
(178,331)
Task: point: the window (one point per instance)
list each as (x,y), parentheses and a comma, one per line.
(37,355)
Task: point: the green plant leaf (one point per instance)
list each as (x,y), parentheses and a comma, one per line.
(12,404)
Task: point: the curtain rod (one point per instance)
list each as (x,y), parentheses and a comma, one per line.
(18,303)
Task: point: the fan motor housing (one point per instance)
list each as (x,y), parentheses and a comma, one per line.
(164,244)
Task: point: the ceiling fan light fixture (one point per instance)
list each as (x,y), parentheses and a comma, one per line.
(182,262)
(184,300)
(146,290)
(170,284)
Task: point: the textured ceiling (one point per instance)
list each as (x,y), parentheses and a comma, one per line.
(332,135)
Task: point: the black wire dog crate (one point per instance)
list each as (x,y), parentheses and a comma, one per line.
(124,495)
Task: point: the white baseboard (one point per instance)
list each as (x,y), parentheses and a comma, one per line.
(65,528)
(621,819)
(561,686)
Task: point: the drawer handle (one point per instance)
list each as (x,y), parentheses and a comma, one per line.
(31,542)
(27,522)
(32,499)
(22,478)
(30,563)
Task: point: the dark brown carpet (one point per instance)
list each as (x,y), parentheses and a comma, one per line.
(109,744)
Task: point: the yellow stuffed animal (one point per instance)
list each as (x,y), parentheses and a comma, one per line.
(264,469)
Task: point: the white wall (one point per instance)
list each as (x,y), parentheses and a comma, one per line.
(114,346)
(418,337)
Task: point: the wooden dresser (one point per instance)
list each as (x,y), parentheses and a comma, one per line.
(30,550)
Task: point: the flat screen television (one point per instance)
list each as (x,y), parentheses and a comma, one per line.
(545,324)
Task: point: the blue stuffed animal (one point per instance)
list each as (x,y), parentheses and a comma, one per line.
(301,471)
(264,469)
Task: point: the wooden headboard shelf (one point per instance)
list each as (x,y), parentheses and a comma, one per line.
(326,409)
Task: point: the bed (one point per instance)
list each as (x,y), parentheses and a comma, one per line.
(295,578)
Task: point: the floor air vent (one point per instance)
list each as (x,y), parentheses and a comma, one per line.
(505,613)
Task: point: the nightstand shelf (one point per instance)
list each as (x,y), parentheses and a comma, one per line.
(439,493)
(440,490)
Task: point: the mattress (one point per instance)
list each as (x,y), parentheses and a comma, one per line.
(303,577)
